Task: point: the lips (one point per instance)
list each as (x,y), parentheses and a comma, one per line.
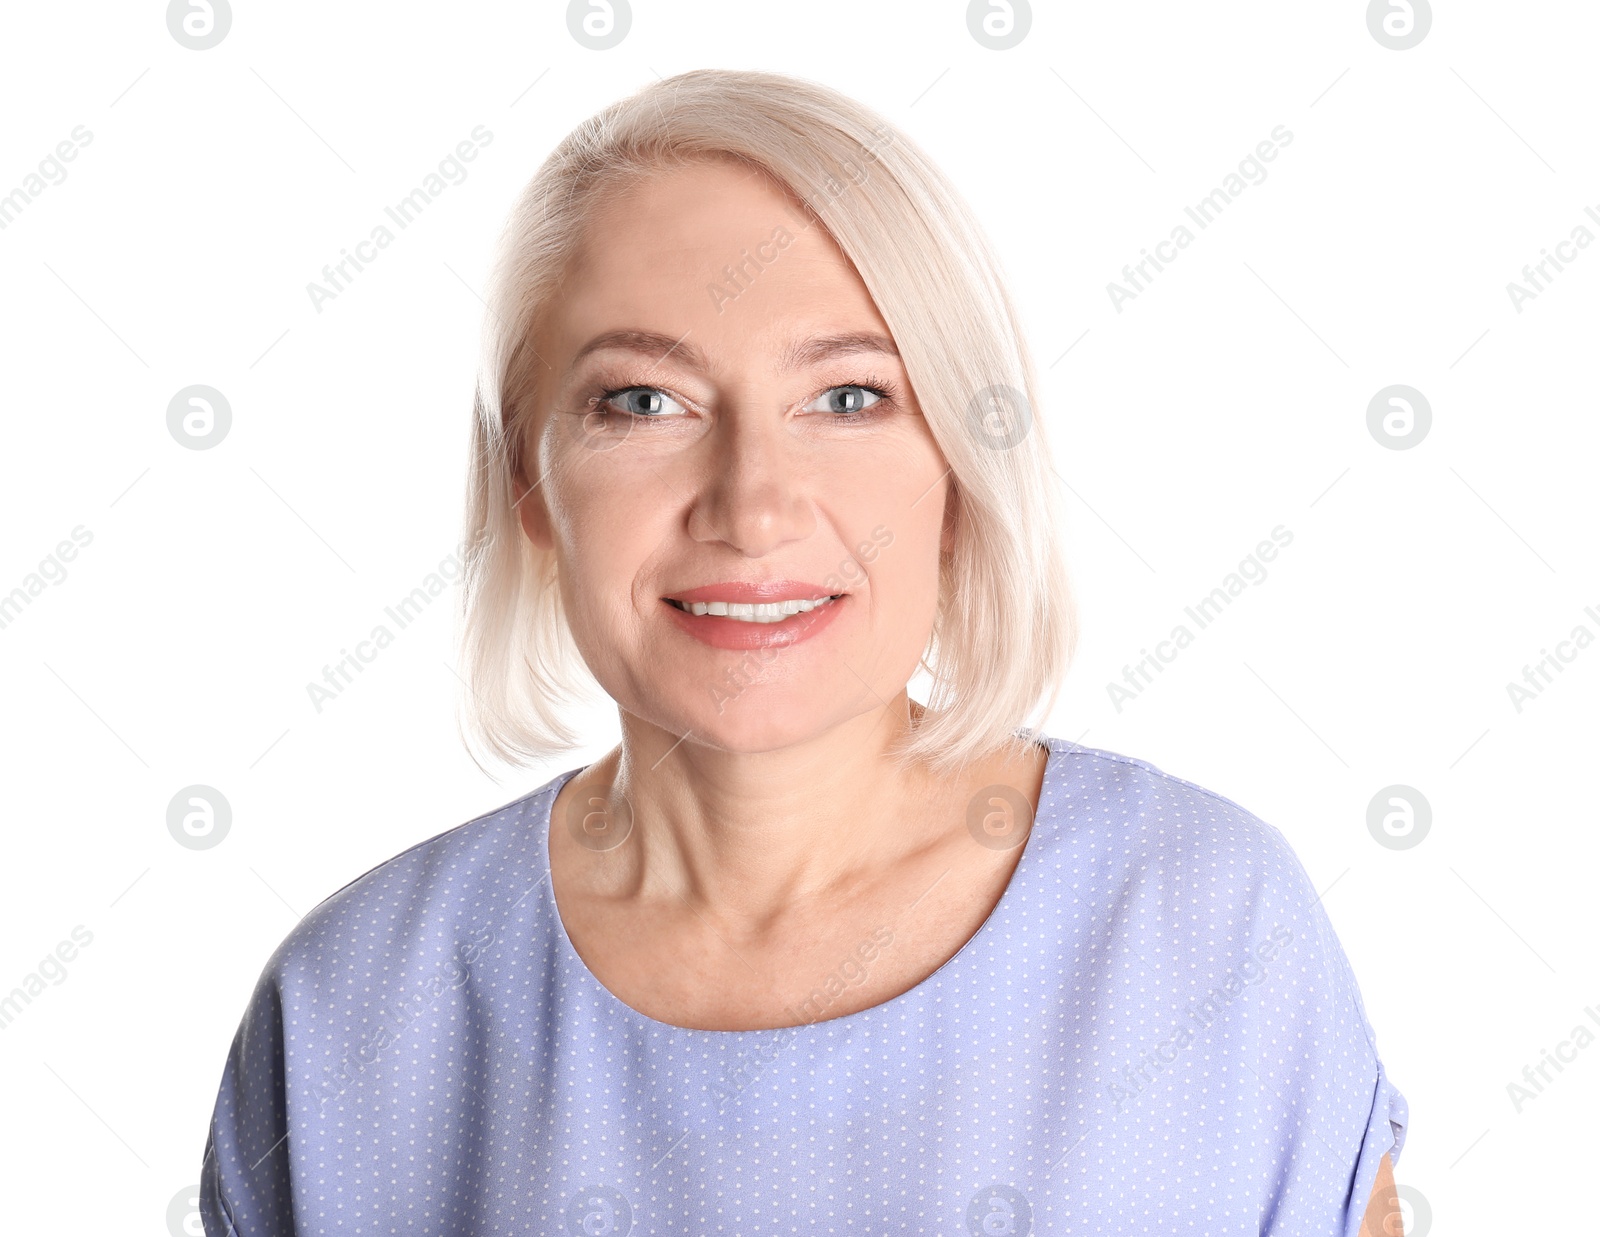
(753,591)
(739,614)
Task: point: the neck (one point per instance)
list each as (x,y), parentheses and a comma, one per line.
(742,836)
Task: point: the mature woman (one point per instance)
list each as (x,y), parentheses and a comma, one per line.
(755,441)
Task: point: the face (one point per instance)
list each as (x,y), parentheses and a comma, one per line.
(723,431)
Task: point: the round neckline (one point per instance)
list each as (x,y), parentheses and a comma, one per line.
(574,962)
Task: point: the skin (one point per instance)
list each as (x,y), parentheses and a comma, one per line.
(1383,1218)
(738,889)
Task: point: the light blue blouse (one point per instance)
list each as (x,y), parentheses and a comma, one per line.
(1156,1031)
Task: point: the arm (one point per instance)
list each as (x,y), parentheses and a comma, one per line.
(1383,1208)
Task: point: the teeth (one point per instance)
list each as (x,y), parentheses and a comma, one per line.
(752,612)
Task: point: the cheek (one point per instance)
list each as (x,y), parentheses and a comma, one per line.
(605,534)
(896,553)
(906,572)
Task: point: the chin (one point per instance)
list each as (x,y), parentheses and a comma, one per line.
(762,719)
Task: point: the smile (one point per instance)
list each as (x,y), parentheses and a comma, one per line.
(710,616)
(752,612)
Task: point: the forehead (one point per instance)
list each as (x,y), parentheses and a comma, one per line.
(716,249)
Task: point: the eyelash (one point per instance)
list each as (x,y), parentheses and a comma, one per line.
(886,392)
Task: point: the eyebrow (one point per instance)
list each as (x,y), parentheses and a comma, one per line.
(806,352)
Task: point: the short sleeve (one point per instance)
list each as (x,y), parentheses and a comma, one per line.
(1335,1110)
(1387,1116)
(244,1175)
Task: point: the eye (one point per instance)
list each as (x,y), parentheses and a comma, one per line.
(646,403)
(846,401)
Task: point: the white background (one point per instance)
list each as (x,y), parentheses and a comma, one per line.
(1227,399)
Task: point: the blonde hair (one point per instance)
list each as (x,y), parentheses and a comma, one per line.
(1005,627)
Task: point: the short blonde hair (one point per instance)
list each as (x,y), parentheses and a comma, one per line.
(1005,627)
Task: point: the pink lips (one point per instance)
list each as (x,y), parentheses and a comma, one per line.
(721,632)
(740,590)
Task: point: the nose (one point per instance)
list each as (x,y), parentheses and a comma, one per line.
(754,494)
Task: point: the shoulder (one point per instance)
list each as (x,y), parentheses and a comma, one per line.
(387,950)
(1123,806)
(1177,867)
(425,897)
(1185,884)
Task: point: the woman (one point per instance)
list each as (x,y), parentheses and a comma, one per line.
(754,442)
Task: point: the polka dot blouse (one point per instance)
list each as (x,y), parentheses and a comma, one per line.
(1155,1031)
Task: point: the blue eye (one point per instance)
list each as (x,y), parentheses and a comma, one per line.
(646,403)
(846,402)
